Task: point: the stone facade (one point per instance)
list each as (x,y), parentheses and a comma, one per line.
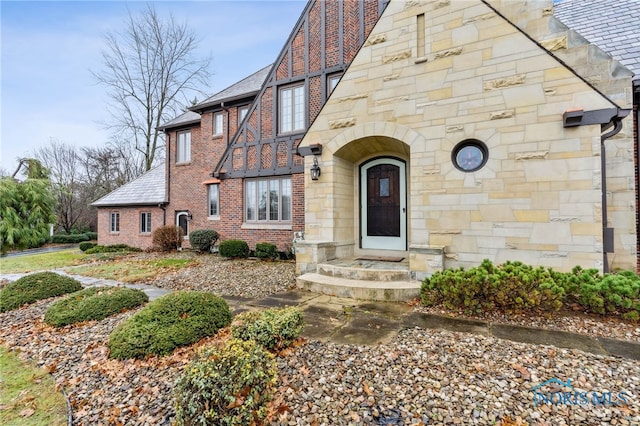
(435,73)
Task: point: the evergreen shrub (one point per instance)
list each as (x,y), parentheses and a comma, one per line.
(227,385)
(34,287)
(512,287)
(94,303)
(86,245)
(615,293)
(204,239)
(234,249)
(266,251)
(274,328)
(113,248)
(69,238)
(177,319)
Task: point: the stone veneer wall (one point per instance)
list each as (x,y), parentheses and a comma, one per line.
(538,198)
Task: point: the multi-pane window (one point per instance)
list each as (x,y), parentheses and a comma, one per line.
(242,113)
(183,152)
(268,200)
(291,110)
(218,126)
(214,200)
(114,225)
(145,222)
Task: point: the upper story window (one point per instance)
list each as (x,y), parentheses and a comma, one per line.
(268,200)
(332,82)
(291,108)
(145,222)
(183,151)
(242,113)
(218,123)
(214,200)
(114,222)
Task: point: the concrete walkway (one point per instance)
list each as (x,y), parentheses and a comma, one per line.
(349,321)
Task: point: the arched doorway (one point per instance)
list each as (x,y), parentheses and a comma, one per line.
(383,204)
(182,222)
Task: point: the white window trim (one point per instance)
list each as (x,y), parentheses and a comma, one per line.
(187,152)
(183,213)
(216,131)
(148,223)
(111,216)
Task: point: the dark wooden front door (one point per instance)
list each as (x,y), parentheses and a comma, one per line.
(383,201)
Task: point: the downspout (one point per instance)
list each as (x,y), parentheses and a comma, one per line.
(606,118)
(607,233)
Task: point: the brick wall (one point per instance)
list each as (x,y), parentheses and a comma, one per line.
(129,226)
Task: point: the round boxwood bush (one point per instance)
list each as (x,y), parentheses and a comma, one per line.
(93,303)
(230,385)
(204,239)
(86,245)
(273,328)
(266,251)
(177,319)
(34,287)
(234,248)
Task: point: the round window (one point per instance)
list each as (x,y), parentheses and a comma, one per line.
(470,155)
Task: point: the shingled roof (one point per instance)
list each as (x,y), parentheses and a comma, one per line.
(612,25)
(247,86)
(188,117)
(148,189)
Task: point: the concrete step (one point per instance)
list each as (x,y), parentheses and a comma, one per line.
(391,291)
(368,271)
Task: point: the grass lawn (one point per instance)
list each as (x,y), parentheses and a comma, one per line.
(132,270)
(42,261)
(28,395)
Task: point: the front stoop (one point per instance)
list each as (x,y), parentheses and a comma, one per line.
(378,281)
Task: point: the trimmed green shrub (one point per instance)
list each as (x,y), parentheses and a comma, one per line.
(86,245)
(234,248)
(177,319)
(34,287)
(266,251)
(113,248)
(167,238)
(609,294)
(228,385)
(93,303)
(512,287)
(203,239)
(92,235)
(274,329)
(69,238)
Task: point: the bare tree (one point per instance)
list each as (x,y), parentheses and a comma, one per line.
(67,181)
(151,70)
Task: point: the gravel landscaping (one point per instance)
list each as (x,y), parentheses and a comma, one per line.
(418,377)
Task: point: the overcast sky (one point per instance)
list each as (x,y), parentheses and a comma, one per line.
(49,48)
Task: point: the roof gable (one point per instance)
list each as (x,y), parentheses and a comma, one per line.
(324,41)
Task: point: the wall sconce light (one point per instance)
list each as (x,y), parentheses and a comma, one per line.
(315,169)
(189,215)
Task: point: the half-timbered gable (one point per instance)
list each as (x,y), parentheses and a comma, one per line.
(321,46)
